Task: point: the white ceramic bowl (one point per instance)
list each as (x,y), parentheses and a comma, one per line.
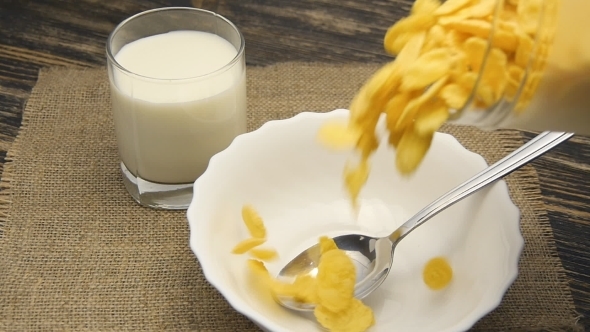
(296,186)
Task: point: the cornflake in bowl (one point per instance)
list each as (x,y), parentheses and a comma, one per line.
(296,186)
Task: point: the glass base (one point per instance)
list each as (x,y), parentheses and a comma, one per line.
(157,195)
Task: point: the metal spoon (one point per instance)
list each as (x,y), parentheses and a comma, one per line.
(373,257)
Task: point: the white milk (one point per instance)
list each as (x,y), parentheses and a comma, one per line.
(168,124)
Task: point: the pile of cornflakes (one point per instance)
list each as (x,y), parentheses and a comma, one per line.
(449,55)
(332,290)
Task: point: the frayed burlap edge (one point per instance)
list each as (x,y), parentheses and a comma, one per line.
(7,169)
(530,185)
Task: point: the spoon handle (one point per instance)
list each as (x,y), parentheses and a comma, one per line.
(533,149)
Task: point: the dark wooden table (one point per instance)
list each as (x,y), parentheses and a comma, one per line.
(37,33)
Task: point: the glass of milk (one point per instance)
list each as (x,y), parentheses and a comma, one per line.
(178,93)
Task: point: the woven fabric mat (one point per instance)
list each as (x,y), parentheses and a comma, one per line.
(77,253)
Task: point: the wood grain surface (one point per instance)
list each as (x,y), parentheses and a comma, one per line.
(37,33)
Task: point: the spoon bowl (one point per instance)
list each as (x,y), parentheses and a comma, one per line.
(373,256)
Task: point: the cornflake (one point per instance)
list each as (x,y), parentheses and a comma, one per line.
(247,244)
(253,222)
(264,254)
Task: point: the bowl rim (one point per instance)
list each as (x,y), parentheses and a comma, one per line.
(489,302)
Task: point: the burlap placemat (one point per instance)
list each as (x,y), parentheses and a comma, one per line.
(78,254)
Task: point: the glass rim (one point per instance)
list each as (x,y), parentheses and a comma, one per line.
(111,57)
